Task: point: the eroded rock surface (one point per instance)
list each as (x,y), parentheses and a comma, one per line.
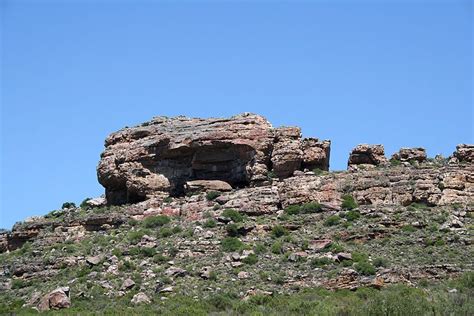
(160,156)
(366,156)
(410,154)
(464,153)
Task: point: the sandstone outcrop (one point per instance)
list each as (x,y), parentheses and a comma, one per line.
(366,156)
(204,185)
(410,154)
(464,153)
(157,158)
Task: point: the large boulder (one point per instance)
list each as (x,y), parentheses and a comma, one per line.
(57,299)
(366,156)
(157,158)
(410,154)
(464,153)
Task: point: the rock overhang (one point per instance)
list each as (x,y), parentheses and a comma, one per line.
(158,157)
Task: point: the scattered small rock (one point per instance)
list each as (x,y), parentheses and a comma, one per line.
(140,298)
(127,284)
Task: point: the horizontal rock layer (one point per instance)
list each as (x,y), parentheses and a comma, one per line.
(160,156)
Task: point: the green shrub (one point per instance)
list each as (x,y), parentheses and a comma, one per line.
(168,199)
(233,215)
(359,256)
(117,252)
(395,162)
(232,230)
(260,248)
(221,302)
(352,215)
(271,174)
(307,208)
(408,228)
(418,206)
(312,207)
(210,223)
(135,251)
(250,259)
(365,268)
(68,205)
(166,232)
(278,231)
(212,195)
(156,221)
(127,265)
(332,220)
(440,242)
(213,276)
(19,284)
(277,247)
(173,252)
(318,171)
(230,244)
(380,262)
(148,252)
(159,258)
(348,202)
(334,247)
(278,279)
(84,204)
(320,262)
(293,209)
(135,236)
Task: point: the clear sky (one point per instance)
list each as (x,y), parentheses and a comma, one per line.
(397,73)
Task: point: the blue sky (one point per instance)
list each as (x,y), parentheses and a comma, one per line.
(397,73)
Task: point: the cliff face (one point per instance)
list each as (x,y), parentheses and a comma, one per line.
(244,204)
(160,156)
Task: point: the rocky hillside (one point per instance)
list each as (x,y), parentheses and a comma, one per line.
(235,216)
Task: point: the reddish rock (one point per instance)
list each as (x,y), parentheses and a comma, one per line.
(205,185)
(410,154)
(366,156)
(157,158)
(57,299)
(464,153)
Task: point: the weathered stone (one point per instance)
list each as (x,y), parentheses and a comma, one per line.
(96,202)
(366,156)
(410,154)
(319,244)
(252,201)
(159,157)
(343,256)
(205,185)
(167,289)
(93,260)
(127,284)
(464,153)
(175,272)
(140,298)
(57,299)
(316,154)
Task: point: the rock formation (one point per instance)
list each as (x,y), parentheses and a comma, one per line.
(236,204)
(366,156)
(464,153)
(160,156)
(410,154)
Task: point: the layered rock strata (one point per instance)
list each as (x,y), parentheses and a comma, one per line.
(157,158)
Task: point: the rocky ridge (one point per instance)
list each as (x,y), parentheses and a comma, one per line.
(237,205)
